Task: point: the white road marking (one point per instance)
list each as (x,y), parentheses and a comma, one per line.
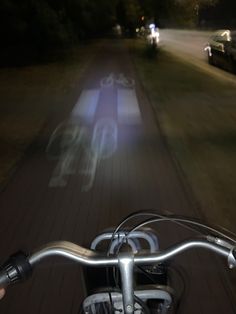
(70,156)
(81,154)
(104,139)
(103,146)
(128,107)
(86,105)
(120,79)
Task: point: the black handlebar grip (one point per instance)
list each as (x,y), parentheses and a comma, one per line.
(16,268)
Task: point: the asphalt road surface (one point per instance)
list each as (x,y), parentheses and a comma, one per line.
(98,160)
(189,46)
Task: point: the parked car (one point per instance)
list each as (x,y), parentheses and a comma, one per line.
(221,49)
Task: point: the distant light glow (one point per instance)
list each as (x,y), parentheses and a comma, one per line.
(154,36)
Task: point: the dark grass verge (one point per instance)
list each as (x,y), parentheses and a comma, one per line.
(197,116)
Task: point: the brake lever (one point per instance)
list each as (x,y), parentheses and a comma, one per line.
(232,258)
(231,247)
(220,242)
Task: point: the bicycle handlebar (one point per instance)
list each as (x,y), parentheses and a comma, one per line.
(19,266)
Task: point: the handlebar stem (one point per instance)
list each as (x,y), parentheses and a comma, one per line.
(126,265)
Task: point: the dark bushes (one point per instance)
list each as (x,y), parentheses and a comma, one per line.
(34,29)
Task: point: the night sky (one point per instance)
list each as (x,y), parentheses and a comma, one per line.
(223,14)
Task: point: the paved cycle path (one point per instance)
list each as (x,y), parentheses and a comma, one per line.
(100,159)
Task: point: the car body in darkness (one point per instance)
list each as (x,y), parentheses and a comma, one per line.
(221,49)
